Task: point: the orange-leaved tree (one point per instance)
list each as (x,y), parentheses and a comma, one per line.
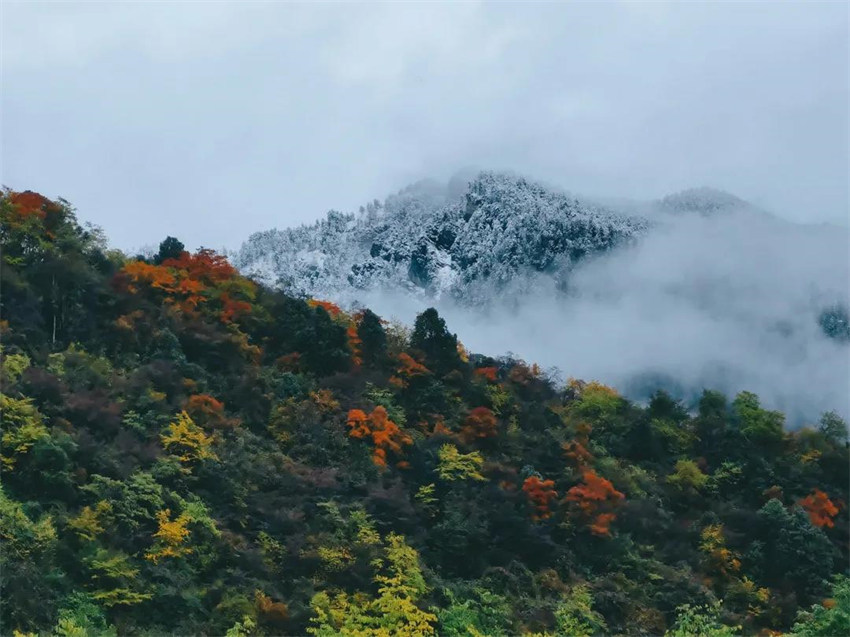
(594,500)
(820,508)
(540,494)
(480,423)
(386,436)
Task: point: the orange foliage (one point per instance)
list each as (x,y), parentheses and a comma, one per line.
(385,434)
(270,611)
(489,373)
(408,368)
(330,308)
(540,493)
(354,342)
(154,276)
(480,423)
(575,450)
(205,265)
(207,411)
(232,308)
(29,203)
(820,508)
(594,500)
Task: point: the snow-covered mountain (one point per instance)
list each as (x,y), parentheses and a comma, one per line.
(434,242)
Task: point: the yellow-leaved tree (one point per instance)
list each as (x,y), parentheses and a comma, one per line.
(187,441)
(170,537)
(392,613)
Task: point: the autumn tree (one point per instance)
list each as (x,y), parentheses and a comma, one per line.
(455,465)
(187,441)
(385,435)
(170,537)
(820,508)
(594,500)
(540,494)
(480,423)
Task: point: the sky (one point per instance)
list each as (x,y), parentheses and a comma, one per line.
(210,121)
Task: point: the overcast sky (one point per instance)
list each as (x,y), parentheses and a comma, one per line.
(209,121)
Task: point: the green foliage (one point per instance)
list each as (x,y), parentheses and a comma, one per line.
(574,615)
(832,617)
(23,427)
(700,620)
(687,476)
(433,339)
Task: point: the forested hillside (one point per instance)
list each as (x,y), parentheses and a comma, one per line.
(187,452)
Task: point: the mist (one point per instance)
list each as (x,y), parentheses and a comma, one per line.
(728,302)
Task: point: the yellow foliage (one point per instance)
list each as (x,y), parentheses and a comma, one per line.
(455,465)
(170,536)
(188,441)
(718,557)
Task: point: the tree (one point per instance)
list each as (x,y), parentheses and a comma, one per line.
(831,617)
(386,436)
(170,248)
(373,339)
(170,537)
(455,465)
(791,551)
(188,441)
(23,427)
(595,500)
(540,494)
(833,427)
(480,423)
(700,620)
(393,612)
(433,339)
(820,508)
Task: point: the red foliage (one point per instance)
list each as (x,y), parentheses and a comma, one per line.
(594,500)
(29,203)
(540,493)
(385,434)
(489,373)
(820,508)
(480,423)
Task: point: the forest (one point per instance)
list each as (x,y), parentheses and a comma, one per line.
(188,452)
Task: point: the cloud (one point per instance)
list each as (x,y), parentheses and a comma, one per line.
(210,121)
(729,302)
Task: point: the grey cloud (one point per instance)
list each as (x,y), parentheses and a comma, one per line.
(211,121)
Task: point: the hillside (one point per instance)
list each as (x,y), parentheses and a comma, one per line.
(186,451)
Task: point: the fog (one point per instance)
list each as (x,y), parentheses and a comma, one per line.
(729,302)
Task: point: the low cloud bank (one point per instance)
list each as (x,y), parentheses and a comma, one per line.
(728,302)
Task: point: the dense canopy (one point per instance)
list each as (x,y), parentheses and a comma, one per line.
(185,451)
